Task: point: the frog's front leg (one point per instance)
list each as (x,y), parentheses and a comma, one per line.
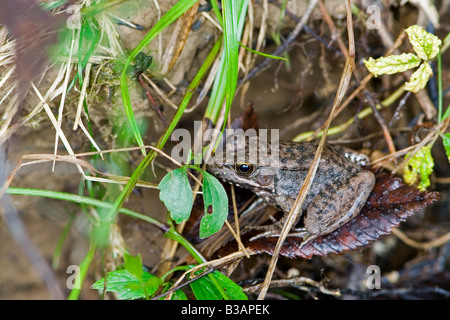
(335,206)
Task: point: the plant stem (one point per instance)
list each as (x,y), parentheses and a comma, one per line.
(84,267)
(86,201)
(361,115)
(439,61)
(162,141)
(174,235)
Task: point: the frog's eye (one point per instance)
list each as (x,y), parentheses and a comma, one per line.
(244,168)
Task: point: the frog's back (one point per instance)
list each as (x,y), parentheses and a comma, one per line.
(295,160)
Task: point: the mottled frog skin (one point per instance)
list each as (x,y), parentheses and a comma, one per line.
(338,192)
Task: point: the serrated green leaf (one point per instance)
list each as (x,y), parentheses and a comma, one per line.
(446,142)
(126,285)
(133,265)
(425,44)
(420,166)
(204,288)
(214,196)
(176,193)
(419,78)
(392,64)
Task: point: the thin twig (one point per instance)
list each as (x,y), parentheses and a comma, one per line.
(381,122)
(334,31)
(285,46)
(178,39)
(210,265)
(297,282)
(421,245)
(82,95)
(152,101)
(364,82)
(296,208)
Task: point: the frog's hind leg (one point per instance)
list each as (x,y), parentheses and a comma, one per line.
(336,205)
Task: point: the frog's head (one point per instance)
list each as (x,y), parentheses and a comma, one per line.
(240,163)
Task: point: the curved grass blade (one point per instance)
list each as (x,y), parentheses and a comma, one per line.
(262,53)
(174,13)
(223,82)
(231,51)
(162,141)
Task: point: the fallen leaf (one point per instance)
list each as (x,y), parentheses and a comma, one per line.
(390,203)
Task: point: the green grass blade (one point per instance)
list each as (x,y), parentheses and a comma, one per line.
(220,86)
(84,268)
(262,53)
(60,243)
(170,233)
(162,141)
(174,13)
(81,200)
(231,51)
(216,10)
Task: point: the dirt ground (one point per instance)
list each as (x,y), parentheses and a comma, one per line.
(294,98)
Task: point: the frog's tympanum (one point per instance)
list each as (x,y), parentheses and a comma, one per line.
(338,192)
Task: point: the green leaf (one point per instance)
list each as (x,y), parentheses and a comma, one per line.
(176,193)
(231,32)
(446,142)
(425,44)
(233,290)
(231,48)
(392,64)
(127,286)
(178,295)
(204,288)
(214,196)
(420,166)
(220,86)
(419,78)
(133,265)
(129,187)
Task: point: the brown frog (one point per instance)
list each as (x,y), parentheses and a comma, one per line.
(338,192)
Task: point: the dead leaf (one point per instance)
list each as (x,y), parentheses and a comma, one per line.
(390,203)
(247,120)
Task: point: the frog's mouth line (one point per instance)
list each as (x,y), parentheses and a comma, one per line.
(259,180)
